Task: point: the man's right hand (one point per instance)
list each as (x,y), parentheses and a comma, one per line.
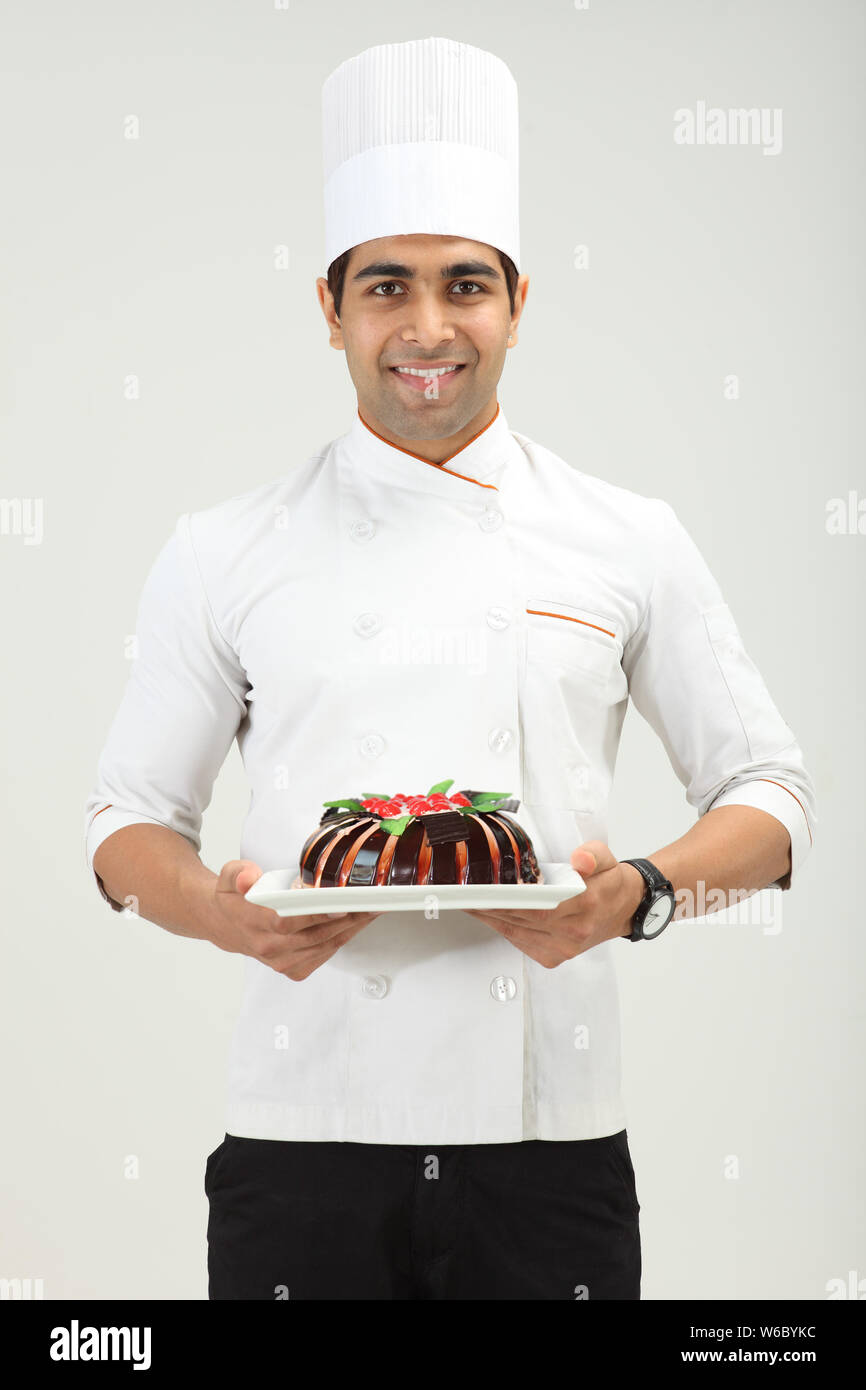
(293,946)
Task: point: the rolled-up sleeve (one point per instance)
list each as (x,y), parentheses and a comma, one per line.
(691,678)
(181,709)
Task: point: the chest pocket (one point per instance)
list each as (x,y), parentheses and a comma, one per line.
(572,680)
(571,637)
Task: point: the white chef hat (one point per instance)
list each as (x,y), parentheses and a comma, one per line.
(421,137)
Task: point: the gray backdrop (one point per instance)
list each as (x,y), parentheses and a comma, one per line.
(153,258)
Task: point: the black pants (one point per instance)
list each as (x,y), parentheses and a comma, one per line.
(535,1219)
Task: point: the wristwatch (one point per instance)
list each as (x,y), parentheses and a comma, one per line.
(657,906)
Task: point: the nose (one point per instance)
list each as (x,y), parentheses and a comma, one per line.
(428,323)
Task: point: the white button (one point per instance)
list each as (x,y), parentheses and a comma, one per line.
(503,988)
(491,519)
(374,987)
(372,745)
(362,530)
(499,739)
(367,624)
(498,618)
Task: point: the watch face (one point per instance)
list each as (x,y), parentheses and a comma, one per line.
(659,914)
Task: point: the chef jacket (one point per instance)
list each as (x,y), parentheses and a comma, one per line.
(371,622)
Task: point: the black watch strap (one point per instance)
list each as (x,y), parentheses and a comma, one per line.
(656,883)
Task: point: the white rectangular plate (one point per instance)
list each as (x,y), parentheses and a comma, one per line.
(274,889)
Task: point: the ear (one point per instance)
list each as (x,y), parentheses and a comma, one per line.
(519,301)
(326,300)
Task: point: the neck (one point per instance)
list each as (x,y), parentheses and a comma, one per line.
(433,450)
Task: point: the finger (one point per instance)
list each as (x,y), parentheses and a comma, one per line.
(309,958)
(532,943)
(593,857)
(238,876)
(516,919)
(523,937)
(315,922)
(314,933)
(346,918)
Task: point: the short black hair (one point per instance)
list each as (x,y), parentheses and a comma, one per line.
(337,275)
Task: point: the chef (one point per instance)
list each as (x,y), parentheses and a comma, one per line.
(430,1106)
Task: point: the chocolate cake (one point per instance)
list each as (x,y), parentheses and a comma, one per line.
(467,837)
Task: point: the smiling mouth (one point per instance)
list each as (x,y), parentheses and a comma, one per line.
(419,378)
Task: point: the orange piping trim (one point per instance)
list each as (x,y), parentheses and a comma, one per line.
(440,466)
(790,793)
(103,808)
(568,618)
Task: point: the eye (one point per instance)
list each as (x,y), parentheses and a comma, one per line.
(385,288)
(385,284)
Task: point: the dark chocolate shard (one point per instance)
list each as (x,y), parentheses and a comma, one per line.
(337,814)
(444,827)
(512,804)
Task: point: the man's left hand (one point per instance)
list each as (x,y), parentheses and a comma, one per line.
(602,911)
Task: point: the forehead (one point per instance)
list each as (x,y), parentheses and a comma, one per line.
(421,251)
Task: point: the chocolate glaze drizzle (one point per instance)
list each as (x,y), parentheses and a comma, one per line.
(350,848)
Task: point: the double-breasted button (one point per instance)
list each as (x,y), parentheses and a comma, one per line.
(491,519)
(503,988)
(367,624)
(498,618)
(362,530)
(374,986)
(499,739)
(372,745)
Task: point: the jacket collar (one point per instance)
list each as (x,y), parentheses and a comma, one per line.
(475,468)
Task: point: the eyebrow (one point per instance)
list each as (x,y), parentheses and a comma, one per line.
(394,270)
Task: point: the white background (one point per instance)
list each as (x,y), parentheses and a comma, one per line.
(155,257)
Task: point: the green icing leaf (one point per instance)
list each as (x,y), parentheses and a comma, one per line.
(348,803)
(441,786)
(395,825)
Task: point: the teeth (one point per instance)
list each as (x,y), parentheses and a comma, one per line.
(427,371)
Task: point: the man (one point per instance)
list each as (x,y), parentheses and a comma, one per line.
(431,1108)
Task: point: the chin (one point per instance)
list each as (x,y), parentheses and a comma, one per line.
(427,423)
(424,420)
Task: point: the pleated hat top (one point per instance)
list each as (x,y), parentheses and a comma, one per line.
(421,137)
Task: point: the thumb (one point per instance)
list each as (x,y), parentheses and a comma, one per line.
(238,876)
(584,862)
(590,857)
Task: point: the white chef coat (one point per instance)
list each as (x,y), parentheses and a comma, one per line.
(372,622)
